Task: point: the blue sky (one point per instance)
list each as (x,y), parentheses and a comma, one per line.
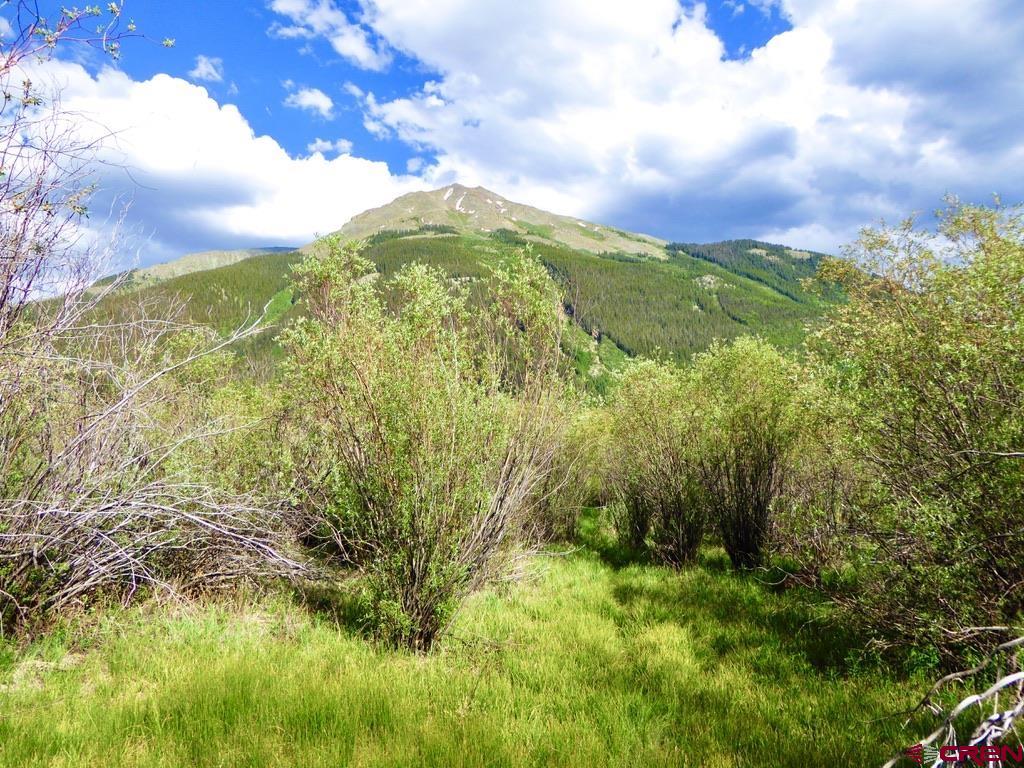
(256,64)
(799,121)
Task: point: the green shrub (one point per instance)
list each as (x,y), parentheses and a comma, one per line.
(928,353)
(431,425)
(749,396)
(654,472)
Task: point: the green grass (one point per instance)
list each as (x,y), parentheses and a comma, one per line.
(588,662)
(538,230)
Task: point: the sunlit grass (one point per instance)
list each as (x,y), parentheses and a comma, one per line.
(583,663)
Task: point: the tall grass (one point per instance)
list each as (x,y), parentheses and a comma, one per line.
(583,663)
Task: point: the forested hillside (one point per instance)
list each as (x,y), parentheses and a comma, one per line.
(638,304)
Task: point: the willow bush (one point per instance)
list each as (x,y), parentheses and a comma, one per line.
(432,423)
(927,353)
(655,445)
(752,424)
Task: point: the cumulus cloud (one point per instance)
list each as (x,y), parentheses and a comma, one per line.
(339,146)
(312,100)
(864,109)
(208,68)
(323,19)
(197,176)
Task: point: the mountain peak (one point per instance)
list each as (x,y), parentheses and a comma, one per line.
(479,210)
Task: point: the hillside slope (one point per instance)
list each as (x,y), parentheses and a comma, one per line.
(667,299)
(201,261)
(464,210)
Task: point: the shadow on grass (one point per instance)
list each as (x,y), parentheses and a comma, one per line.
(334,602)
(742,612)
(595,533)
(740,615)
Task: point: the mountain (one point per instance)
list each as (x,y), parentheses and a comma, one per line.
(459,209)
(626,293)
(200,261)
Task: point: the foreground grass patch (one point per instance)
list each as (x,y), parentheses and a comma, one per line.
(583,664)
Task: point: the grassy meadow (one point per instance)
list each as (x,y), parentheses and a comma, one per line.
(588,660)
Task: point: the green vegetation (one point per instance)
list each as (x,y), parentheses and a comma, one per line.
(780,268)
(423,229)
(579,664)
(424,439)
(221,298)
(629,304)
(654,453)
(451,514)
(197,262)
(441,519)
(709,447)
(750,412)
(678,307)
(926,361)
(640,305)
(538,230)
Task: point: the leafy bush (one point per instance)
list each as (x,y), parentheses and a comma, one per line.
(655,463)
(431,427)
(814,514)
(928,352)
(751,423)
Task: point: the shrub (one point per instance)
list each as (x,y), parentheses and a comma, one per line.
(751,423)
(96,491)
(928,353)
(571,485)
(654,463)
(814,515)
(431,426)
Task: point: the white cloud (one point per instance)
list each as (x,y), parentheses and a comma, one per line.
(199,177)
(340,146)
(737,7)
(312,100)
(766,6)
(866,108)
(6,31)
(323,19)
(640,119)
(208,68)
